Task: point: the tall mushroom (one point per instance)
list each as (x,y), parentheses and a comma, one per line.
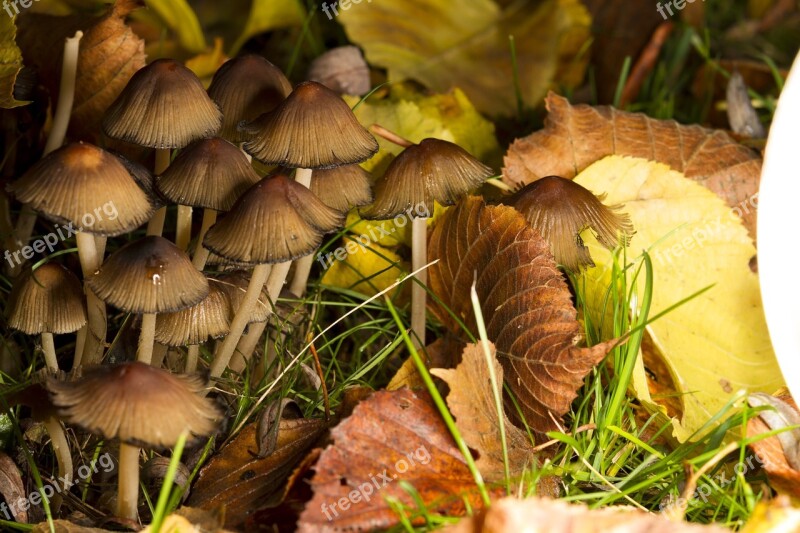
(312,129)
(147,277)
(274,222)
(46,301)
(139,405)
(90,192)
(164,106)
(433,171)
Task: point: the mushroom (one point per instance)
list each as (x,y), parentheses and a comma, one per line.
(342,188)
(312,129)
(194,325)
(141,406)
(46,301)
(210,173)
(422,175)
(274,222)
(91,193)
(147,277)
(163,106)
(244,88)
(560,209)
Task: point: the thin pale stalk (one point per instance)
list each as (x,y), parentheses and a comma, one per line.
(58,440)
(192,356)
(183,227)
(201,253)
(390,136)
(144,354)
(156,224)
(128,488)
(274,286)
(419,254)
(80,343)
(303,265)
(49,349)
(95,307)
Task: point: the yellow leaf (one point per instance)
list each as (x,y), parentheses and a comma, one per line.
(180,18)
(205,64)
(10,62)
(717,343)
(267,15)
(465,44)
(367,269)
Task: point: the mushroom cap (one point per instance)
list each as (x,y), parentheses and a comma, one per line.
(150,275)
(276,220)
(234,283)
(49,299)
(164,105)
(76,183)
(560,209)
(144,178)
(210,173)
(194,325)
(312,128)
(342,188)
(431,171)
(244,88)
(136,403)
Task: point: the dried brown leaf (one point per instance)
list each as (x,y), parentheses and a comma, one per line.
(393,436)
(65,526)
(772,453)
(526,304)
(574,137)
(12,489)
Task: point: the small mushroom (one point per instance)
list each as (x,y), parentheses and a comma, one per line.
(342,188)
(141,406)
(560,209)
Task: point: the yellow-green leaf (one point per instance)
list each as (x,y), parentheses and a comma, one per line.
(179,16)
(268,15)
(465,44)
(368,268)
(717,343)
(10,62)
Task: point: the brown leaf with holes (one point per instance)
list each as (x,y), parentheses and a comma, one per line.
(771,453)
(574,137)
(12,490)
(393,436)
(241,482)
(110,53)
(472,403)
(527,306)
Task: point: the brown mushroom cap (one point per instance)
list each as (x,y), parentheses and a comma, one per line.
(49,299)
(244,88)
(342,188)
(143,178)
(209,173)
(431,171)
(164,105)
(276,220)
(136,403)
(75,183)
(194,325)
(312,128)
(150,275)
(560,209)
(234,283)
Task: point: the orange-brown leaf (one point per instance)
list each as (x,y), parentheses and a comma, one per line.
(391,437)
(772,456)
(574,137)
(526,304)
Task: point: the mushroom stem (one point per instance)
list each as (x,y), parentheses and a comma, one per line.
(66,97)
(156,224)
(200,253)
(128,482)
(303,265)
(95,307)
(160,352)
(240,319)
(247,344)
(144,353)
(419,253)
(49,349)
(192,356)
(183,227)
(390,136)
(80,343)
(303,177)
(61,448)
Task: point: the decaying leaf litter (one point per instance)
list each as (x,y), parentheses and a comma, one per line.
(591,349)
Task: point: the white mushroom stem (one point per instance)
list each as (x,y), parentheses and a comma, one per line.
(302,268)
(80,343)
(128,482)
(160,352)
(49,349)
(66,97)
(192,356)
(95,307)
(200,253)
(61,448)
(144,353)
(240,320)
(156,224)
(183,227)
(419,253)
(247,344)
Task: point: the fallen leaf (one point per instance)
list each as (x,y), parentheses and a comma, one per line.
(465,44)
(717,343)
(574,137)
(190,520)
(391,437)
(12,488)
(65,526)
(241,482)
(772,515)
(771,452)
(526,304)
(179,17)
(367,269)
(542,515)
(472,403)
(268,15)
(10,63)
